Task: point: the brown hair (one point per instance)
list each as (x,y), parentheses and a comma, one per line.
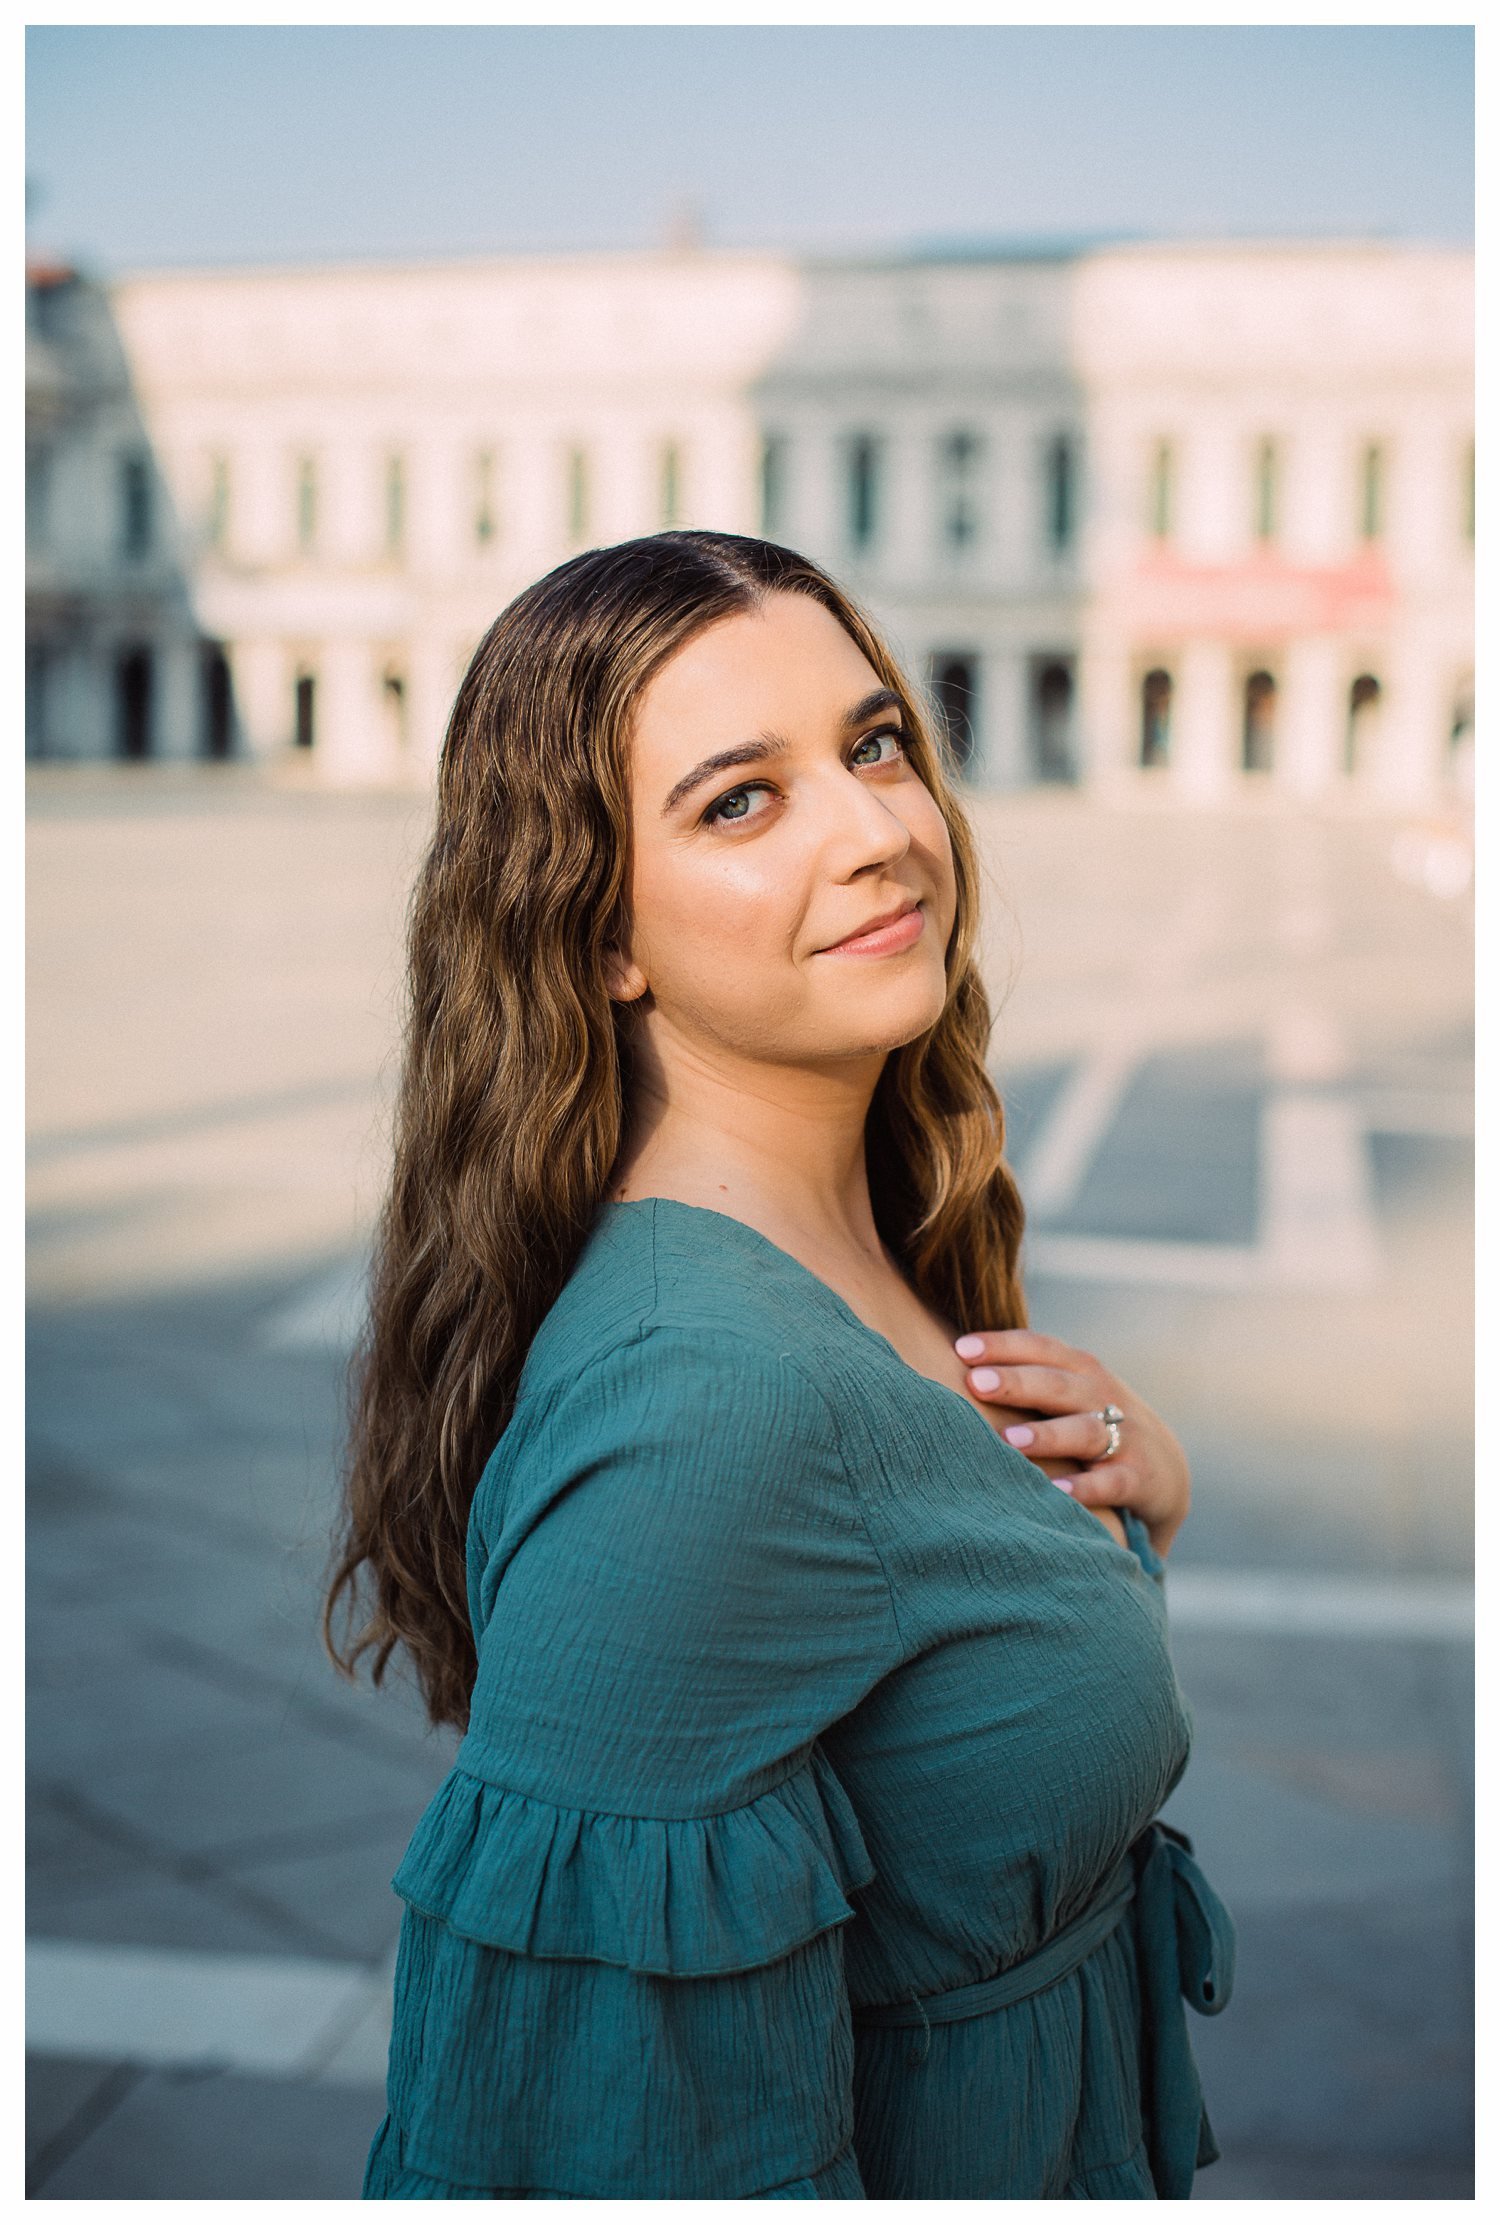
(512,1101)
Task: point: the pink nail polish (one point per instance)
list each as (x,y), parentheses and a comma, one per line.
(1063,1485)
(1019,1435)
(985,1379)
(969,1348)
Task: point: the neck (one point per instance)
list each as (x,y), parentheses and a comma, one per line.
(782,1147)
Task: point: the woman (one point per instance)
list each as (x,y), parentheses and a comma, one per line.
(801,1841)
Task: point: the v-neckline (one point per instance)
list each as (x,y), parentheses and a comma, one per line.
(840,1305)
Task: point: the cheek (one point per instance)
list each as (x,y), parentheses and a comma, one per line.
(717,919)
(929,835)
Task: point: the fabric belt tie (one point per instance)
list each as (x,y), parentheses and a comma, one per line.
(1184,1939)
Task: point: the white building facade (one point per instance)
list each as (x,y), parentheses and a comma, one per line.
(1189,520)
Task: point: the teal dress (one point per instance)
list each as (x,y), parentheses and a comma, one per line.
(803,1842)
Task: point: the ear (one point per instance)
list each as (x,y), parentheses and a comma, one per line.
(624,977)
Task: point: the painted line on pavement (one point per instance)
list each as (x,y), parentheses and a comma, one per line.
(1085,1112)
(277,2016)
(1276,1603)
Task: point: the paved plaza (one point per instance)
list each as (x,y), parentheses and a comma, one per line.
(1236,1050)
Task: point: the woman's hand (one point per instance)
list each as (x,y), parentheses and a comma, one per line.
(1059,1391)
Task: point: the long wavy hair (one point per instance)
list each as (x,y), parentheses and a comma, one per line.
(514,1096)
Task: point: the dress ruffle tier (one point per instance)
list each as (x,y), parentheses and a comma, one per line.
(582,1973)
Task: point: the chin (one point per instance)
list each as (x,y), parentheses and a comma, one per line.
(886,1022)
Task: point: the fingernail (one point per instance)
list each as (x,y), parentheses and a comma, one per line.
(985,1379)
(1020,1435)
(970,1348)
(1063,1485)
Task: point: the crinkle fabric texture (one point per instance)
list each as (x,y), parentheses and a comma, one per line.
(799,1692)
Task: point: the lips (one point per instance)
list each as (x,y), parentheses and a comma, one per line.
(896,929)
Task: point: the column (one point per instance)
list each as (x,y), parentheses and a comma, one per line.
(432,686)
(1204,729)
(351,746)
(1000,746)
(178,712)
(1104,718)
(1414,723)
(1310,719)
(261,675)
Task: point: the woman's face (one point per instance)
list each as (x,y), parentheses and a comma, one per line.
(775,816)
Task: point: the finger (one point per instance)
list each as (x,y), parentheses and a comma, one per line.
(1116,1484)
(1013,1347)
(1049,1390)
(1073,1437)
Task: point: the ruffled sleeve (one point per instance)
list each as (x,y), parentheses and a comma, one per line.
(621,1964)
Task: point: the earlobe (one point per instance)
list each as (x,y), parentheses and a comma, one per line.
(624,979)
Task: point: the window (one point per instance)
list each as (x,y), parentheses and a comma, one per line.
(863,490)
(1051,694)
(1359,727)
(1161,491)
(307,504)
(1258,731)
(1156,717)
(1267,491)
(953,679)
(1061,494)
(305,703)
(38,688)
(578,493)
(670,468)
(217,702)
(134,678)
(393,696)
(216,515)
(484,497)
(773,455)
(1372,492)
(395,505)
(135,505)
(38,496)
(1460,766)
(959,456)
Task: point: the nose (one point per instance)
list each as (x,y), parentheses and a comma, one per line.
(860,831)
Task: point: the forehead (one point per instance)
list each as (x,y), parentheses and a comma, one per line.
(789,666)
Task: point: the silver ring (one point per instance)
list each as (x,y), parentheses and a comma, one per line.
(1111,1416)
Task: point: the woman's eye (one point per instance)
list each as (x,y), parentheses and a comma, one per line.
(734,804)
(895,735)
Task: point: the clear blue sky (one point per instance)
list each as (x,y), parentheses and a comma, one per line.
(155,145)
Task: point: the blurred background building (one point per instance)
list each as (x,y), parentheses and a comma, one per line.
(1191,519)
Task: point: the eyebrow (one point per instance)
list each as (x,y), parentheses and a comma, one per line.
(762,746)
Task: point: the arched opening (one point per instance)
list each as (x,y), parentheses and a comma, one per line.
(671,484)
(773,455)
(1258,736)
(1460,766)
(863,490)
(135,505)
(134,687)
(305,699)
(393,699)
(1359,728)
(1156,717)
(958,470)
(954,683)
(218,702)
(1052,718)
(1061,494)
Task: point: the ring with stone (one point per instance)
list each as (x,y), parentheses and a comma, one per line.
(1111,1416)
